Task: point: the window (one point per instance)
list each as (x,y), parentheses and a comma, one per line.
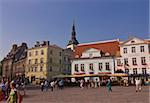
(32,78)
(100,66)
(60,61)
(32,69)
(6,68)
(127,71)
(143,70)
(68,59)
(134,61)
(132,41)
(118,62)
(134,70)
(59,53)
(36,61)
(65,59)
(30,54)
(90,55)
(29,61)
(82,67)
(41,68)
(125,61)
(143,61)
(124,50)
(107,66)
(51,52)
(29,69)
(35,69)
(42,52)
(41,60)
(91,66)
(76,67)
(51,60)
(133,49)
(50,69)
(142,48)
(36,52)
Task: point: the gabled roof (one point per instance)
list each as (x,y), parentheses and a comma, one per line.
(111,47)
(131,38)
(18,54)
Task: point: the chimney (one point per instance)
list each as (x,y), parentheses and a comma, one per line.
(37,44)
(24,44)
(14,47)
(45,43)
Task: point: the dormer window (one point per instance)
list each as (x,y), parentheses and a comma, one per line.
(90,55)
(107,54)
(132,41)
(76,56)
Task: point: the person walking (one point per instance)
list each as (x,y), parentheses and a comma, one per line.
(2,96)
(109,84)
(61,84)
(46,85)
(52,84)
(96,83)
(138,85)
(14,96)
(81,83)
(42,86)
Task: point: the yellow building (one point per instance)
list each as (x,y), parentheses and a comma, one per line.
(36,67)
(45,61)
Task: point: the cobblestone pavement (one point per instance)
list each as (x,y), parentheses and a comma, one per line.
(92,95)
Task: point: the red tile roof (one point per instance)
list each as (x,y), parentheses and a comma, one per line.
(111,47)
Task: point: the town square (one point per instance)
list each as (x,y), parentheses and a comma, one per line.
(93,95)
(72,51)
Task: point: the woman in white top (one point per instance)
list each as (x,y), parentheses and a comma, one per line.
(138,85)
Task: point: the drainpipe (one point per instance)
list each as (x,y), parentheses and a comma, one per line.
(114,63)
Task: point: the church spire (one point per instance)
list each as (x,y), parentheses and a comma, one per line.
(73,35)
(73,40)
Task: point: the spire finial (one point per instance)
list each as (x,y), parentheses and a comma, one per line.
(73,22)
(73,26)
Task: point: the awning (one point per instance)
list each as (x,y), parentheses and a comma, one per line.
(119,75)
(61,76)
(89,75)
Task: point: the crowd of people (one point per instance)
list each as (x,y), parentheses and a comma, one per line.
(95,83)
(13,91)
(82,83)
(59,84)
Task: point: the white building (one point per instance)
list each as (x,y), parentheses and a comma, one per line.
(95,58)
(134,56)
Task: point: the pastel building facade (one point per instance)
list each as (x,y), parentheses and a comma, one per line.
(95,58)
(45,61)
(134,56)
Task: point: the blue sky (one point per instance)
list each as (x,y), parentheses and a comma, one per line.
(32,20)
